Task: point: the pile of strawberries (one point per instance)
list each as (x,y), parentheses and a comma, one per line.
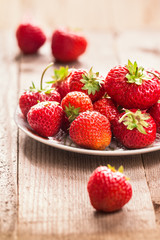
(92,109)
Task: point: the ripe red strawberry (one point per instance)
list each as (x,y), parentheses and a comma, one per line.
(76,102)
(109,190)
(91,130)
(88,82)
(45,118)
(106,107)
(33,96)
(131,86)
(65,123)
(67,45)
(30,97)
(134,129)
(154,111)
(30,38)
(61,80)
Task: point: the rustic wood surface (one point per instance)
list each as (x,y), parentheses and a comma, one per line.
(43,189)
(94,15)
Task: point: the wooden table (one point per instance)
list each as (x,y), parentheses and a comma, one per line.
(42,189)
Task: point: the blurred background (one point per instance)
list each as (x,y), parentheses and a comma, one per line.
(99,15)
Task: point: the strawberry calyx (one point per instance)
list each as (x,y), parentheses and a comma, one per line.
(135,120)
(92,82)
(60,75)
(120,169)
(47,89)
(136,74)
(32,88)
(71,112)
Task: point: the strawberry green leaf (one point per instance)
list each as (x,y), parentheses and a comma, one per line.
(136,74)
(60,74)
(111,168)
(135,120)
(71,112)
(47,89)
(32,88)
(121,169)
(92,82)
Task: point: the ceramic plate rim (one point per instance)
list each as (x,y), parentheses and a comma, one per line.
(61,146)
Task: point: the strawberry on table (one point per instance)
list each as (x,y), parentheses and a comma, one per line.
(131,86)
(91,130)
(30,97)
(134,129)
(67,45)
(30,38)
(109,190)
(154,111)
(76,102)
(88,82)
(45,118)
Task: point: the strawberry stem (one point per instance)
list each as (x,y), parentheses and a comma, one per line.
(41,82)
(154,74)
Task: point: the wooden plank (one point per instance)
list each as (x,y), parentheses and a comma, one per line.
(8,136)
(110,236)
(112,14)
(141,46)
(152,171)
(53,200)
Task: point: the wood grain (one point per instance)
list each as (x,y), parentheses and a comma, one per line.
(8,135)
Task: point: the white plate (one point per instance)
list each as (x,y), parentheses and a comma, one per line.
(62,141)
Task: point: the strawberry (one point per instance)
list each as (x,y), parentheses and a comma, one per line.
(30,97)
(74,103)
(131,86)
(91,130)
(30,38)
(88,82)
(45,118)
(106,107)
(65,123)
(67,45)
(134,128)
(109,190)
(154,111)
(61,80)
